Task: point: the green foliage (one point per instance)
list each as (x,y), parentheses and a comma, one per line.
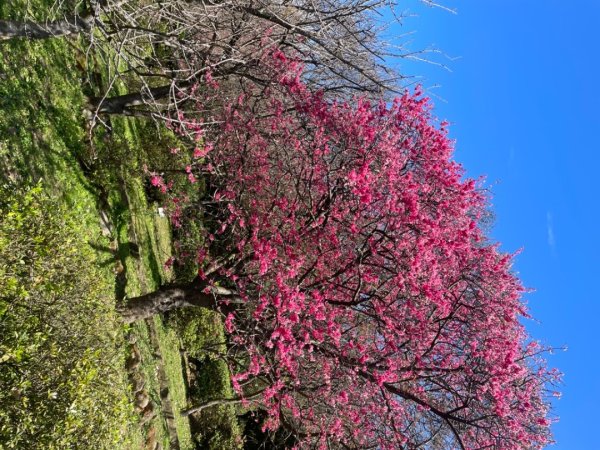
(203,337)
(61,379)
(201,332)
(63,382)
(216,427)
(169,348)
(187,240)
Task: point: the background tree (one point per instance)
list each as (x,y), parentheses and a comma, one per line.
(164,49)
(364,306)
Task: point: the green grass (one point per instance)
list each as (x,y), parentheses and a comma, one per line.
(145,271)
(203,337)
(63,378)
(44,142)
(169,347)
(42,134)
(41,125)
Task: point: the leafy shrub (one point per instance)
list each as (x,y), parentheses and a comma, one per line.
(62,383)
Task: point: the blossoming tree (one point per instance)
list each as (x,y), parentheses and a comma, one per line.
(364,306)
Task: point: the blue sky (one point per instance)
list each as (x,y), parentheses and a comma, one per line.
(523,98)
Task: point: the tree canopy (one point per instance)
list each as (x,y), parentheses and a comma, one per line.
(365,306)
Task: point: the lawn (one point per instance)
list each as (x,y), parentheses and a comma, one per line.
(78,236)
(62,350)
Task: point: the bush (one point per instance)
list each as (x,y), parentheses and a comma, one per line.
(62,382)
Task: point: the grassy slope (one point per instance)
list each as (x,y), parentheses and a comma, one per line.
(41,128)
(203,335)
(139,223)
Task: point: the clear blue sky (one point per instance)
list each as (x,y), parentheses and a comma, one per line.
(523,100)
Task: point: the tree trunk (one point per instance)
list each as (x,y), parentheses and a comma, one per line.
(120,103)
(70,25)
(165,299)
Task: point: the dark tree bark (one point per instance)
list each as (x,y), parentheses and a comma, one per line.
(121,103)
(67,26)
(165,299)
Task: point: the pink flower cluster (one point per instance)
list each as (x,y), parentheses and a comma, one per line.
(376,312)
